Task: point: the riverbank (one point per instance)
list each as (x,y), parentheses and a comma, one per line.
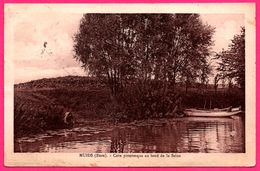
(40,105)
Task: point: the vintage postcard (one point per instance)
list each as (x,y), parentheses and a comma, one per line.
(129,85)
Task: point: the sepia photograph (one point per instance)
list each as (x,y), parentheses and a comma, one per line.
(96,83)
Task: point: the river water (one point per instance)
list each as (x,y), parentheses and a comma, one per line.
(183,135)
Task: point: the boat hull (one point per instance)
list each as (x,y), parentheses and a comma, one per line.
(210,113)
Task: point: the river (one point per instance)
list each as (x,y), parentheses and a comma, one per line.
(183,135)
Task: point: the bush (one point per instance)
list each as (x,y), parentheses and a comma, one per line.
(149,100)
(35,113)
(210,99)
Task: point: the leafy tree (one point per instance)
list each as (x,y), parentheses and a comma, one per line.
(232,60)
(141,55)
(104,45)
(189,47)
(144,46)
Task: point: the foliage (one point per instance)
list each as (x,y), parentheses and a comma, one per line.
(232,60)
(140,103)
(142,55)
(143,46)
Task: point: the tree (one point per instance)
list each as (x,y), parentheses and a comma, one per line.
(144,47)
(141,55)
(232,60)
(189,48)
(104,45)
(217,78)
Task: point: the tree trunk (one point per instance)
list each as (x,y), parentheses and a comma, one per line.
(110,82)
(173,81)
(186,88)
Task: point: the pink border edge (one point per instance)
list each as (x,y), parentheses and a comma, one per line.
(2,167)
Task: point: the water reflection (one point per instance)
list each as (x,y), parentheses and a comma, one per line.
(185,135)
(118,141)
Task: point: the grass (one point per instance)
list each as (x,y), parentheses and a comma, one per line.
(40,105)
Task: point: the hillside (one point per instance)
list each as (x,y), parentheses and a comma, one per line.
(62,82)
(41,104)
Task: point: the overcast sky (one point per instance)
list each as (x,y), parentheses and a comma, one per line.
(57,29)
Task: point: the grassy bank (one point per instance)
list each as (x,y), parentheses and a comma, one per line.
(40,105)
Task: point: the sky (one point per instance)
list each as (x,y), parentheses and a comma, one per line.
(35,59)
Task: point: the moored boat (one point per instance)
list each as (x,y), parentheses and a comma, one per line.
(212,113)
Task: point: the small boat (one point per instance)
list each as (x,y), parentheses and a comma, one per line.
(212,113)
(229,109)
